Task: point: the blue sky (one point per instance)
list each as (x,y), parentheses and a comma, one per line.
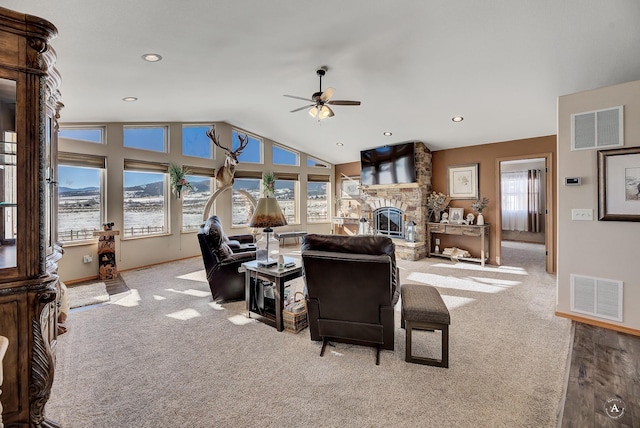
(194,143)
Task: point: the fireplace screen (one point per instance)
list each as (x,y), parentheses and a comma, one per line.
(389,221)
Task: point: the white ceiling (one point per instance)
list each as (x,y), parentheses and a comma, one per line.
(414,65)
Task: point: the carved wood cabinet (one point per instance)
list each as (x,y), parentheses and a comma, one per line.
(29,106)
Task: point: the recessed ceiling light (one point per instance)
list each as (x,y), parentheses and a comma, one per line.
(388,134)
(457,118)
(339,144)
(151,57)
(130,99)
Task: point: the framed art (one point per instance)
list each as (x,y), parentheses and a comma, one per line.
(462,181)
(456,215)
(619,184)
(350,186)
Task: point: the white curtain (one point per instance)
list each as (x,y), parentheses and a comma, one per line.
(521,200)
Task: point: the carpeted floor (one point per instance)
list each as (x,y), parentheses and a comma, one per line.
(165,355)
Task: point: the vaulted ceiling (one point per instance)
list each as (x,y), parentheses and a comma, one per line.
(413,64)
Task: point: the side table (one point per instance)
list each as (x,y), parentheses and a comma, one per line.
(253,273)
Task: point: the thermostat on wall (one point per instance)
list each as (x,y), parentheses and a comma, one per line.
(572,181)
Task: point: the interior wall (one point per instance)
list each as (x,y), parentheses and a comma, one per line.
(602,249)
(485,156)
(143,251)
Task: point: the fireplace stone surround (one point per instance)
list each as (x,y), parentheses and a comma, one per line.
(410,198)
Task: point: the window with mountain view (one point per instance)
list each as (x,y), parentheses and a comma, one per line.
(318,198)
(193,202)
(145,204)
(287,195)
(244,187)
(79,202)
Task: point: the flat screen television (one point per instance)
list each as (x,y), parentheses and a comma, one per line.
(393,164)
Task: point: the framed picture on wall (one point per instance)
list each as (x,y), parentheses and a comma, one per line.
(462,181)
(619,184)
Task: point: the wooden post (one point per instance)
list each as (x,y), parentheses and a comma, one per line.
(107,254)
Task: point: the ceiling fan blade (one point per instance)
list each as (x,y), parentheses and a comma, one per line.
(326,94)
(343,103)
(298,98)
(302,108)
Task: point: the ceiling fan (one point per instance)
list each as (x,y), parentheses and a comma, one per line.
(321,100)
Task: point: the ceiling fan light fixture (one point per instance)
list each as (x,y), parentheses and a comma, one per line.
(313,111)
(325,112)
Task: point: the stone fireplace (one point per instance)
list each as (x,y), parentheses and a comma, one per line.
(389,208)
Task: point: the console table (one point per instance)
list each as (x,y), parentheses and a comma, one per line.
(254,273)
(472,231)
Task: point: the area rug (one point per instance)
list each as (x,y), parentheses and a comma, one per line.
(85,295)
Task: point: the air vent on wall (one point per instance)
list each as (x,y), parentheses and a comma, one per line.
(598,297)
(597,129)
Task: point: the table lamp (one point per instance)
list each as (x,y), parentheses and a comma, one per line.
(267,215)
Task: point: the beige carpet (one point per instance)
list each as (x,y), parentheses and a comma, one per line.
(85,295)
(164,355)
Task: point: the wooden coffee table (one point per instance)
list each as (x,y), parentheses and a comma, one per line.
(276,276)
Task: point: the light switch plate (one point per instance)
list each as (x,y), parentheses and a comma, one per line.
(582,214)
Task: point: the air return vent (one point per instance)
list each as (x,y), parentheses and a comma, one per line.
(598,297)
(597,129)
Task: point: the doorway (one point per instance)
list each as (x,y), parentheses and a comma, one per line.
(525,203)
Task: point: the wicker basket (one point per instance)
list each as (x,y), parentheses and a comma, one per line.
(295,321)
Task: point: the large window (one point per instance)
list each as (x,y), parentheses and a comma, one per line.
(152,138)
(245,187)
(282,156)
(316,163)
(252,153)
(318,198)
(287,195)
(145,202)
(196,143)
(84,134)
(193,201)
(80,196)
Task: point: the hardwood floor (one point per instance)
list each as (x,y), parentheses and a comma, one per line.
(604,374)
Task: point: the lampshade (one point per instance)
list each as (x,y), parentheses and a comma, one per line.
(321,112)
(268,214)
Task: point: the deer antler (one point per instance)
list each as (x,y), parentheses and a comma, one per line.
(211,133)
(244,141)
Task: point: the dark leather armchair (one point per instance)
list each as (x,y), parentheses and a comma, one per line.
(352,287)
(222,256)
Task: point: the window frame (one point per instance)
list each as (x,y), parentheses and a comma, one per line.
(165,134)
(76,160)
(245,175)
(101,128)
(250,136)
(295,177)
(320,178)
(138,166)
(275,146)
(198,172)
(212,146)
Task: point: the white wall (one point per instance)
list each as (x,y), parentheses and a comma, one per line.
(137,252)
(603,249)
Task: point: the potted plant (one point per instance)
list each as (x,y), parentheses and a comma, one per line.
(269,184)
(178,179)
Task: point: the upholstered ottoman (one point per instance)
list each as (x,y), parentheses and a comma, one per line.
(424,309)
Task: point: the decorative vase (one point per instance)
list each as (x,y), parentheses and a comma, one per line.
(436,216)
(480,219)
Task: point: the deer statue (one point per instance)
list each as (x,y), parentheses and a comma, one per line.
(224,176)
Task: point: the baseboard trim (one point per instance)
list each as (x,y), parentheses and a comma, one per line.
(602,324)
(94,277)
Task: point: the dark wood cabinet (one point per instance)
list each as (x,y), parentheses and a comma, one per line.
(29,286)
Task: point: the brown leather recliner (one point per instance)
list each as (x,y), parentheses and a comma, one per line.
(222,256)
(352,287)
